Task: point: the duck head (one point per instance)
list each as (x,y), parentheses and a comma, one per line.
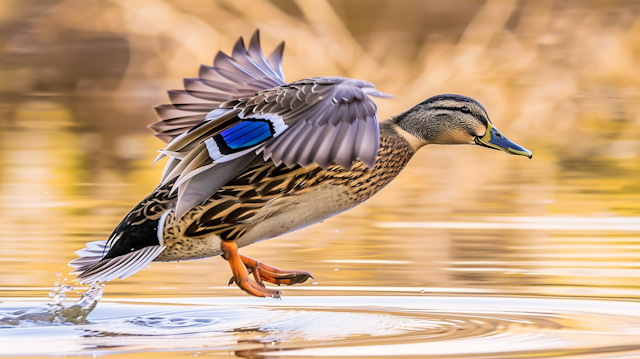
(455,119)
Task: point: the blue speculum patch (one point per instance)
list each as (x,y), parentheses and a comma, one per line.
(243,135)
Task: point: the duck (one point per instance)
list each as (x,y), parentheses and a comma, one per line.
(251,157)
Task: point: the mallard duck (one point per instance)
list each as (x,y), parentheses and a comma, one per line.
(251,157)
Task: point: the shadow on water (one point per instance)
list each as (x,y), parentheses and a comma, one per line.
(324,326)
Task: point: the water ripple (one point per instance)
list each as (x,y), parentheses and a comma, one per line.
(329,326)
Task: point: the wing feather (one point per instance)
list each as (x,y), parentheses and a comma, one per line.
(255,52)
(342,149)
(297,147)
(200,160)
(184,163)
(205,130)
(287,140)
(275,60)
(325,143)
(370,142)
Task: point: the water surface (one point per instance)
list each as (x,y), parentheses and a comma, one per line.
(332,326)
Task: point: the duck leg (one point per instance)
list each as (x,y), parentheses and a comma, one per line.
(262,272)
(240,274)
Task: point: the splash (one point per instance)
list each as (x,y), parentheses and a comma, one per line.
(56,312)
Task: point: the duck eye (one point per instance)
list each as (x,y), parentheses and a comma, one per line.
(465,109)
(498,134)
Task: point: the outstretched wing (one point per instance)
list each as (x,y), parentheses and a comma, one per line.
(329,119)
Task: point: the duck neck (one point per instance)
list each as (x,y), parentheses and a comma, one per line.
(394,154)
(396,146)
(404,125)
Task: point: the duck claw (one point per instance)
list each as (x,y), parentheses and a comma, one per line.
(263,272)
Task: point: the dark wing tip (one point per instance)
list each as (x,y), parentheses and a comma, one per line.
(238,47)
(220,56)
(256,36)
(275,60)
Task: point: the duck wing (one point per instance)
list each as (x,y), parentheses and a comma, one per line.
(319,120)
(241,107)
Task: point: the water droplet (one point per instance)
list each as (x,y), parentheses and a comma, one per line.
(58,274)
(56,284)
(337,231)
(148,266)
(177,266)
(335,269)
(59,294)
(273,343)
(46,193)
(422,291)
(315,282)
(65,279)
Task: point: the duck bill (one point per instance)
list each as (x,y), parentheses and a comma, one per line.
(494,139)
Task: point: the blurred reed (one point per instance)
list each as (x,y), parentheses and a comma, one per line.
(537,64)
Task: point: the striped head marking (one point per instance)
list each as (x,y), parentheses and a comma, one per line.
(455,119)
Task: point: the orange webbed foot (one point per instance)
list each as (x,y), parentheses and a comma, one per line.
(240,274)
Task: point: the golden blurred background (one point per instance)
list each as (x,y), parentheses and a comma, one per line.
(562,78)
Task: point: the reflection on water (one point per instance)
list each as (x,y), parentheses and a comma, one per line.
(331,326)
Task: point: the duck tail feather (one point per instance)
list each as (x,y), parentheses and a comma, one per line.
(119,267)
(89,256)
